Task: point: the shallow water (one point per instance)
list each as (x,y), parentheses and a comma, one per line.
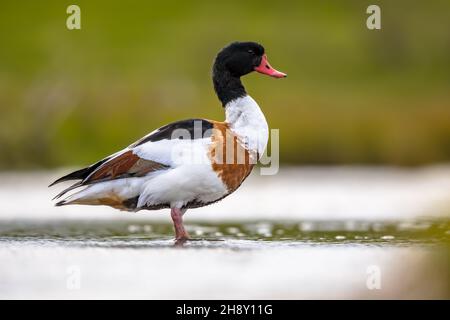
(307,233)
(266,260)
(136,234)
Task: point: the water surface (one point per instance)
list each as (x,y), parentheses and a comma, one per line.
(227,234)
(307,233)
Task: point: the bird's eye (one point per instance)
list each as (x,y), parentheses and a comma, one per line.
(251,51)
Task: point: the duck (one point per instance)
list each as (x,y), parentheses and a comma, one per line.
(188,163)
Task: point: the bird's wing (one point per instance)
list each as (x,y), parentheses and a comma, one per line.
(149,154)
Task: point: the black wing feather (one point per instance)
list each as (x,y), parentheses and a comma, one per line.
(80,174)
(165,132)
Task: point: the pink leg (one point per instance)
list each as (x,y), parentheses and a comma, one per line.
(181,234)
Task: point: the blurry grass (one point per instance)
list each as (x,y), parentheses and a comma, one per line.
(352,95)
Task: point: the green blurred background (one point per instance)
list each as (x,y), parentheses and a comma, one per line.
(352,96)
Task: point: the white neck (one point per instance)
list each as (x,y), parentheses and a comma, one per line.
(247,121)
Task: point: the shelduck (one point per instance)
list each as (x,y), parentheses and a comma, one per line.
(189,163)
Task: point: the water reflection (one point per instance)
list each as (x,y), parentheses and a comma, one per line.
(110,234)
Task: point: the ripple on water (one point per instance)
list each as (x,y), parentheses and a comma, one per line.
(123,234)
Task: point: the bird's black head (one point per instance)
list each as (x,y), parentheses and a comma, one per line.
(236,60)
(240,58)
